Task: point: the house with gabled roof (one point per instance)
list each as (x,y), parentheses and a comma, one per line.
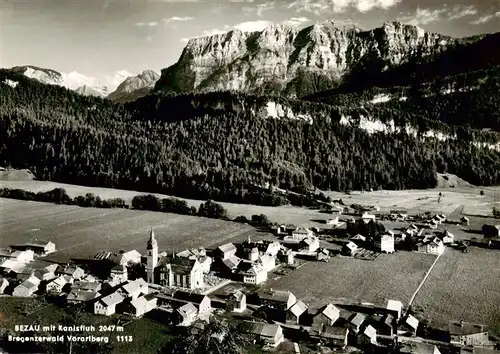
(327,315)
(418,348)
(231,263)
(39,247)
(131,289)
(408,325)
(236,302)
(107,305)
(124,258)
(44,274)
(253,273)
(118,274)
(26,288)
(199,254)
(350,249)
(267,261)
(278,299)
(356,321)
(431,245)
(179,272)
(295,312)
(367,336)
(301,233)
(57,285)
(270,334)
(202,303)
(334,335)
(396,307)
(86,286)
(225,251)
(384,242)
(383,323)
(72,270)
(186,314)
(142,305)
(309,244)
(469,334)
(79,296)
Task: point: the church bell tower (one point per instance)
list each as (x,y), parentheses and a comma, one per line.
(152,257)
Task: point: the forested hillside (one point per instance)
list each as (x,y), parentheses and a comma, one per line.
(217,146)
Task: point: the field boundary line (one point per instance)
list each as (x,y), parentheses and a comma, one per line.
(423,280)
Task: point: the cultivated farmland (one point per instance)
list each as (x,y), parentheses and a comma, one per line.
(81,232)
(463,286)
(394,276)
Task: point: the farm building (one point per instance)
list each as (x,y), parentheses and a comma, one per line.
(231,263)
(431,245)
(356,321)
(286,256)
(358,239)
(38,247)
(384,243)
(4,283)
(268,262)
(57,285)
(447,237)
(202,303)
(131,289)
(270,334)
(16,256)
(334,335)
(323,255)
(236,302)
(186,314)
(125,258)
(72,270)
(107,305)
(86,286)
(327,315)
(309,244)
(253,273)
(350,249)
(367,336)
(294,313)
(118,274)
(26,288)
(469,334)
(396,307)
(301,233)
(409,325)
(491,230)
(418,348)
(225,251)
(46,273)
(142,305)
(383,324)
(278,299)
(249,252)
(81,296)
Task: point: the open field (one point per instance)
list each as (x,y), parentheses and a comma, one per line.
(394,276)
(463,286)
(82,232)
(413,200)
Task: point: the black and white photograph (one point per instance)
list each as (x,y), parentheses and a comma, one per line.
(249,176)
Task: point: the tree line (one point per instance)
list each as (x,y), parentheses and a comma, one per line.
(150,202)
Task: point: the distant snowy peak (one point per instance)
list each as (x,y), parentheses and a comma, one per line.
(135,87)
(96,91)
(45,76)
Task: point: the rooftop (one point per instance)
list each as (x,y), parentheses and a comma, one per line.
(465,328)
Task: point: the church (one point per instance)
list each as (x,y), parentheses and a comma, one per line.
(172,271)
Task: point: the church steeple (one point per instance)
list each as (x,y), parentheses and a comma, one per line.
(152,243)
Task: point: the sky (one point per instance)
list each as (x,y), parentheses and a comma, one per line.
(106,40)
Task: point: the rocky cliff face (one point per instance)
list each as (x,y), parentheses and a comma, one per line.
(46,76)
(135,87)
(282,59)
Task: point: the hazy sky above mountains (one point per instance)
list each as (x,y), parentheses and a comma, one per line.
(100,37)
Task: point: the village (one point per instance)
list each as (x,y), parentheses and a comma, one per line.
(190,287)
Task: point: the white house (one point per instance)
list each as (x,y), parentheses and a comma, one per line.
(79,296)
(118,274)
(107,305)
(71,270)
(130,289)
(143,304)
(225,251)
(270,334)
(431,245)
(26,288)
(237,302)
(447,237)
(367,336)
(56,285)
(187,314)
(16,256)
(396,307)
(385,243)
(125,258)
(301,233)
(367,217)
(268,262)
(39,247)
(255,274)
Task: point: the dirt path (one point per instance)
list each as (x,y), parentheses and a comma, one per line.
(423,282)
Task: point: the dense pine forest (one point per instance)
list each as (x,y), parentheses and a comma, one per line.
(220,146)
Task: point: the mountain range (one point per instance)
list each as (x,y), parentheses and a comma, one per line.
(327,106)
(131,88)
